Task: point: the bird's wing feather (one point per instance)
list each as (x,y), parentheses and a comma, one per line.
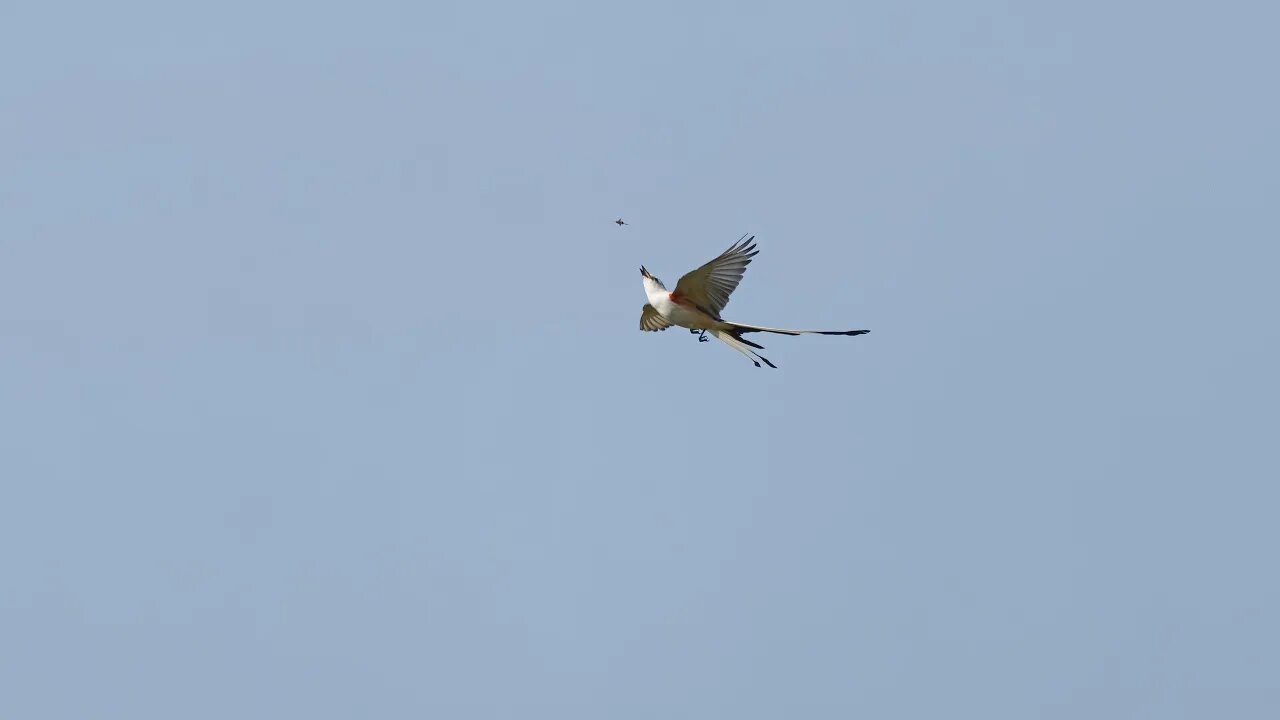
(709,286)
(651,320)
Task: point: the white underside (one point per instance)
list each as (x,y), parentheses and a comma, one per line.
(677,314)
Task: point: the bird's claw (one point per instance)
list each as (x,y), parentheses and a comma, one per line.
(702,337)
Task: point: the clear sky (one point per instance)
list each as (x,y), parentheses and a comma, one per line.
(322,393)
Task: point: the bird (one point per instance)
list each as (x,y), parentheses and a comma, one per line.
(619,222)
(702,294)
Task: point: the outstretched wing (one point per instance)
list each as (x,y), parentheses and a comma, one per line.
(651,321)
(709,286)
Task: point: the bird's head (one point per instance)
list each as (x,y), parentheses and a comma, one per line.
(649,279)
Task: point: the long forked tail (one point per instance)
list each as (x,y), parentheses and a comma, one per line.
(739,329)
(732,336)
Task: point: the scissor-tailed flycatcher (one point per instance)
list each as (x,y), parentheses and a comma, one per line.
(701,295)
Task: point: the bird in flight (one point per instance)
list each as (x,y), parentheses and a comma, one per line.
(700,296)
(619,222)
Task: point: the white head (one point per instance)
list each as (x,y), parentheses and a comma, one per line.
(651,284)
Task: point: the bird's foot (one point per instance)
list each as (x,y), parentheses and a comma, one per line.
(703,336)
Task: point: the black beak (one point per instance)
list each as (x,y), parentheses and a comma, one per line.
(644,272)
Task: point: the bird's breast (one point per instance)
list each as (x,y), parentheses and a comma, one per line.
(685,316)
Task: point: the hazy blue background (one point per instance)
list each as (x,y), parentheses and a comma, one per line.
(322,393)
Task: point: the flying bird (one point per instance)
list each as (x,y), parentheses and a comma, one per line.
(700,296)
(619,222)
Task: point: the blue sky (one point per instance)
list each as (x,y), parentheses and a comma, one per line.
(323,394)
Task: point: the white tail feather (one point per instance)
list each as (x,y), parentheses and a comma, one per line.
(741,347)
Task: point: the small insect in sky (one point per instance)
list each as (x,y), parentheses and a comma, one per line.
(619,222)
